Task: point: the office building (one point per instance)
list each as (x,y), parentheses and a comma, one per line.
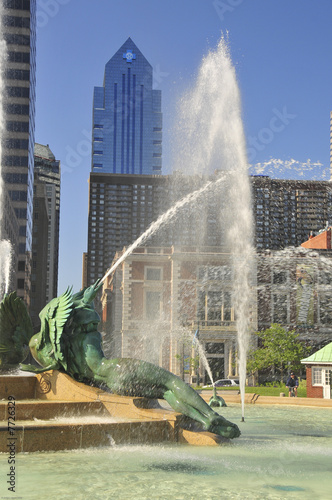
(39,264)
(127,118)
(47,170)
(121,207)
(287,211)
(19,33)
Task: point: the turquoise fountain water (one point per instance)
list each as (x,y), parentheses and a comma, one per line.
(284,452)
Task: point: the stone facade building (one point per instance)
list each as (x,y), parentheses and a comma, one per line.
(160,297)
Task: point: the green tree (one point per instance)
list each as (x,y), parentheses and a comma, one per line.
(280,349)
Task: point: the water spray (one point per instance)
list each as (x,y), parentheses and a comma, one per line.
(211,137)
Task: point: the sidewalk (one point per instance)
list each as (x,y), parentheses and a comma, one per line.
(252,398)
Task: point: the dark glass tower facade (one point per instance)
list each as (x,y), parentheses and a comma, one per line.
(127,118)
(47,172)
(19,33)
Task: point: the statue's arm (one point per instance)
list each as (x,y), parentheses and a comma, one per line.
(100,367)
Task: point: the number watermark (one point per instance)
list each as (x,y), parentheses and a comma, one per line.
(11,445)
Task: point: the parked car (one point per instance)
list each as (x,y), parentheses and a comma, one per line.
(224,382)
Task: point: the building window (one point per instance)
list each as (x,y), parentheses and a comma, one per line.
(18,195)
(17,74)
(16,161)
(16,143)
(215,273)
(21,266)
(17,4)
(17,126)
(279,277)
(280,308)
(20,57)
(325,308)
(16,178)
(18,91)
(21,213)
(16,21)
(16,39)
(17,109)
(215,306)
(325,278)
(316,374)
(153,273)
(20,284)
(214,347)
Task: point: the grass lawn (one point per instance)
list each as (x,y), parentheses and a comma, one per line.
(275,391)
(268,390)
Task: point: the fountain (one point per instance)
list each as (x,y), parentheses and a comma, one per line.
(5,265)
(284,452)
(164,471)
(215,400)
(210,138)
(210,126)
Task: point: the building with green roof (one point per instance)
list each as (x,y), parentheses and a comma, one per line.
(319,369)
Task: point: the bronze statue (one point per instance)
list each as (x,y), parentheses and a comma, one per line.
(69,341)
(15,332)
(215,400)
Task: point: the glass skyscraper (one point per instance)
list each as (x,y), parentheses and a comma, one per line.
(127,118)
(18,24)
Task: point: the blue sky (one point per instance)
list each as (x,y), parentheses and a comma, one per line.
(281,51)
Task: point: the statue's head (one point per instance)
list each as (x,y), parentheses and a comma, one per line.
(86,296)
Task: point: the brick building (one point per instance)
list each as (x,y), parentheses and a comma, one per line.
(319,373)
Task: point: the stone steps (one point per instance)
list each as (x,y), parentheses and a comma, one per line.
(53,424)
(19,387)
(32,436)
(45,410)
(54,412)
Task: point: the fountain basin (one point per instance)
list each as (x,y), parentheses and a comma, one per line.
(283,452)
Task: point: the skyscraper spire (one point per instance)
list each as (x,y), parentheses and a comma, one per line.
(127,118)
